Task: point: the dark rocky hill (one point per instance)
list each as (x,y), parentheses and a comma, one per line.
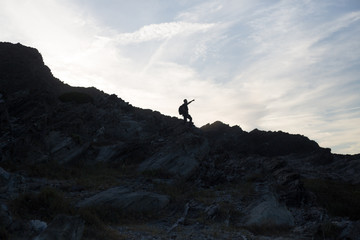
(77,163)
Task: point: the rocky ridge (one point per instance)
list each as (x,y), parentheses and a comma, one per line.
(77,163)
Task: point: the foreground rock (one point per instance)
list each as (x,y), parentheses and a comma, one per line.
(125,200)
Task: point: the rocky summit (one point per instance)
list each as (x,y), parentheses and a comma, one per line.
(76,163)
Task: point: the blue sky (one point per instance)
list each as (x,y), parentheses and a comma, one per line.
(268,64)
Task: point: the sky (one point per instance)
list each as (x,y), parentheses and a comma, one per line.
(274,65)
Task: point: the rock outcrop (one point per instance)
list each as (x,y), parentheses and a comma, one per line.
(180,157)
(96,151)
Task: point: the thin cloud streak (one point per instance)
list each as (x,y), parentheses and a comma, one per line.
(161,31)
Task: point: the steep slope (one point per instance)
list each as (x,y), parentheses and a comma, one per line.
(116,165)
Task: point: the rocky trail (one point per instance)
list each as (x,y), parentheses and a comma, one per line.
(76,163)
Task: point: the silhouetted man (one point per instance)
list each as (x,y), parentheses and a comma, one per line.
(184,110)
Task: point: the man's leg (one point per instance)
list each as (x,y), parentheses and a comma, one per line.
(189,117)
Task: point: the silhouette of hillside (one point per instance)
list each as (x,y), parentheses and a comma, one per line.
(80,159)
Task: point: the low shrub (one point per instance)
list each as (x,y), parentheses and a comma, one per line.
(156,173)
(97,215)
(269,229)
(107,215)
(338,198)
(244,190)
(44,205)
(48,203)
(48,169)
(94,176)
(179,192)
(328,230)
(95,227)
(4,235)
(76,97)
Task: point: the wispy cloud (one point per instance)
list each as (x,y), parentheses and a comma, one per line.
(162,31)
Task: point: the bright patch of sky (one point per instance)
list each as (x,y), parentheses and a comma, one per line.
(268,64)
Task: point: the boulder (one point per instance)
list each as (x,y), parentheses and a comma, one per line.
(270,213)
(63,228)
(126,200)
(179,158)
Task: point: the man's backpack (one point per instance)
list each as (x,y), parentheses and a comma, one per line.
(182,110)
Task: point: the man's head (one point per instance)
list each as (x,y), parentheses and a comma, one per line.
(185,101)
